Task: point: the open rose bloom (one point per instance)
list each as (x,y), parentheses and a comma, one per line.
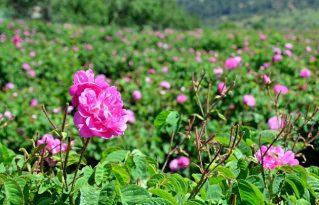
(275,156)
(99,106)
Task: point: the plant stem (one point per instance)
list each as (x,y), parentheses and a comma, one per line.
(86,142)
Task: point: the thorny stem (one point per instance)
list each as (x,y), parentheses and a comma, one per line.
(86,142)
(208,171)
(170,152)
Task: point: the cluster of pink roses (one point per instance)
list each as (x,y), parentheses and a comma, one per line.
(99,106)
(179,163)
(275,156)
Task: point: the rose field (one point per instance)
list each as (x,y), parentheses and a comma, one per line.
(107,115)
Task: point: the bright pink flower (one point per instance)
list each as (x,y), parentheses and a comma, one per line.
(52,144)
(249,100)
(266,79)
(165,69)
(232,62)
(26,66)
(183,162)
(130,116)
(280,89)
(165,84)
(277,50)
(181,98)
(31,73)
(275,123)
(173,165)
(218,72)
(275,156)
(151,71)
(8,115)
(100,107)
(8,86)
(34,102)
(137,95)
(305,73)
(277,58)
(17,41)
(288,52)
(308,49)
(262,36)
(221,88)
(289,46)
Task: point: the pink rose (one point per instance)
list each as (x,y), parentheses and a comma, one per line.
(218,72)
(266,79)
(221,88)
(277,58)
(275,156)
(280,89)
(305,73)
(137,95)
(275,123)
(130,116)
(34,102)
(173,165)
(181,98)
(232,62)
(249,100)
(165,84)
(183,162)
(100,107)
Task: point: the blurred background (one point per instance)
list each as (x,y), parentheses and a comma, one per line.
(183,14)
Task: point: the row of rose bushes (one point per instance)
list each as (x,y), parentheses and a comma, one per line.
(247,101)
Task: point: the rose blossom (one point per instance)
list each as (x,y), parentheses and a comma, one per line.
(280,89)
(289,46)
(173,165)
(183,162)
(218,72)
(266,79)
(99,106)
(275,123)
(165,84)
(137,95)
(305,73)
(34,102)
(277,57)
(249,100)
(8,86)
(232,62)
(130,116)
(275,156)
(52,144)
(181,98)
(221,88)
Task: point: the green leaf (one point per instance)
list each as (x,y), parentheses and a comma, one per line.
(102,171)
(160,119)
(13,193)
(172,122)
(89,195)
(249,193)
(117,156)
(214,193)
(225,172)
(140,169)
(121,174)
(294,186)
(194,202)
(152,201)
(107,194)
(164,194)
(130,194)
(6,155)
(277,183)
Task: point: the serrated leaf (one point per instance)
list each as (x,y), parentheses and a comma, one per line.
(249,193)
(164,194)
(117,156)
(13,193)
(277,183)
(130,194)
(89,195)
(160,119)
(107,194)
